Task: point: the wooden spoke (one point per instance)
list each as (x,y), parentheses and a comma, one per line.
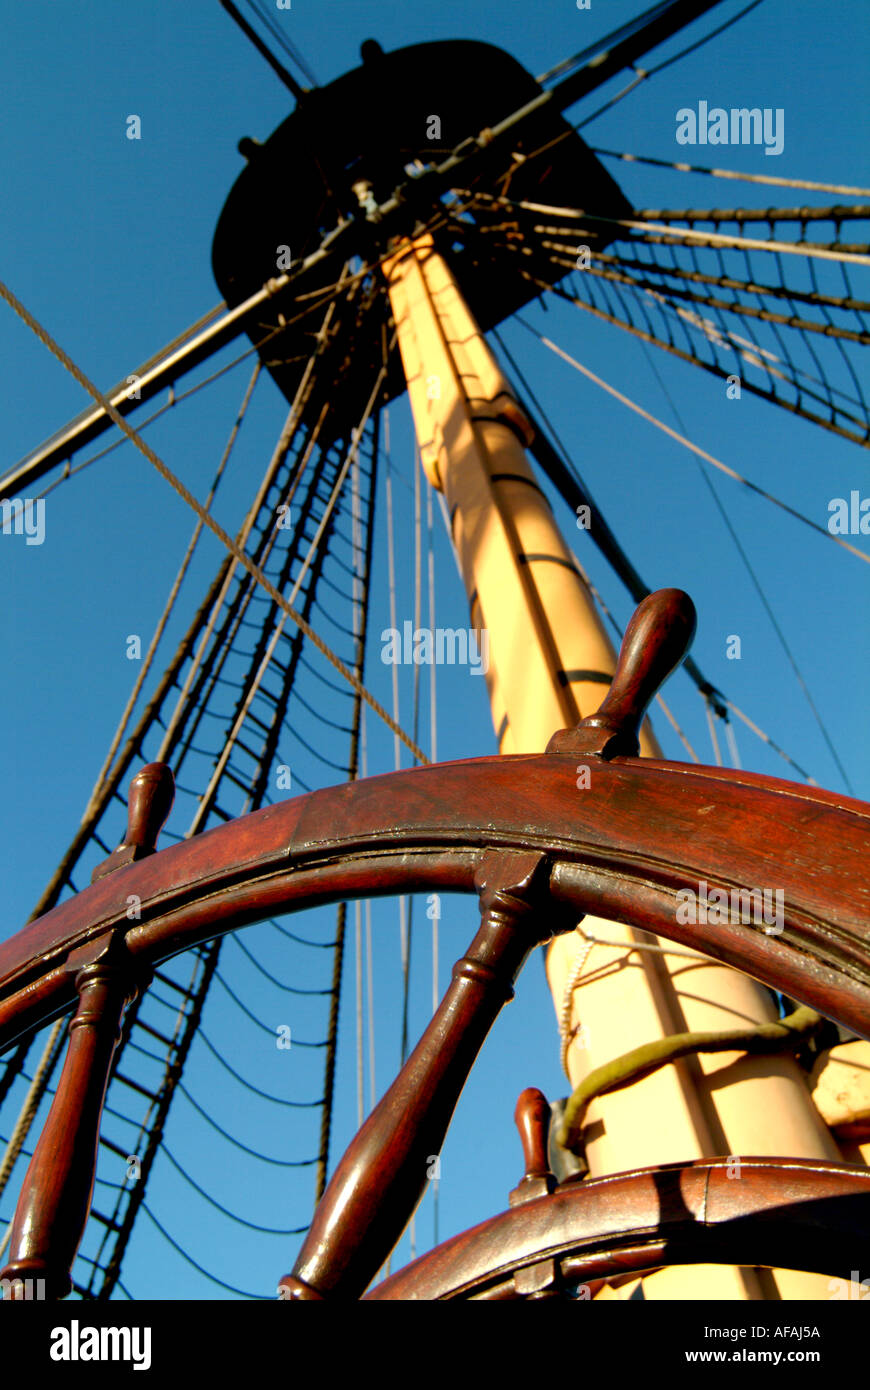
(55,1198)
(383,1175)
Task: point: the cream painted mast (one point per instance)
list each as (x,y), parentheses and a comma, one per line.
(549,657)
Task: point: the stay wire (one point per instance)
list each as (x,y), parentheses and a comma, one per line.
(391,573)
(406,984)
(643,74)
(694,448)
(709,458)
(288,47)
(609,41)
(695,675)
(363,567)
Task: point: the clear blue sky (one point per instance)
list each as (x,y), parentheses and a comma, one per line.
(108,242)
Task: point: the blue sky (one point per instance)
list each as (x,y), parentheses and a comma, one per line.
(108,241)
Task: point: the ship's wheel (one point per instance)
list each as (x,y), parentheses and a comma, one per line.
(507,828)
(270,670)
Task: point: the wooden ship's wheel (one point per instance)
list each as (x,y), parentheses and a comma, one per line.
(510,830)
(406,252)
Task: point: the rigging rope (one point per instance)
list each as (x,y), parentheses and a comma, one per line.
(362,569)
(242,1293)
(752,357)
(845,190)
(391,570)
(731,473)
(732,744)
(173,594)
(644,73)
(279,454)
(32,1100)
(756,582)
(826,330)
(240,1220)
(626,31)
(357,589)
(174,400)
(264,1027)
(670,235)
(711,725)
(767,739)
(249,1085)
(416,732)
(749,351)
(226,540)
(302,940)
(687,443)
(662,233)
(726,282)
(225,643)
(845,212)
(313,549)
(255,1153)
(279,984)
(370,975)
(433,715)
(718,340)
(284,42)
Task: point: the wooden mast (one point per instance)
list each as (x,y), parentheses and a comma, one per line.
(548,658)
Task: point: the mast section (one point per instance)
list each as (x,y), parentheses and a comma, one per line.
(548,659)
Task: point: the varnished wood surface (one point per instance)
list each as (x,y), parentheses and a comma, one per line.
(532,1119)
(656,640)
(540,853)
(623,847)
(149,802)
(383,1174)
(783,1213)
(55,1197)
